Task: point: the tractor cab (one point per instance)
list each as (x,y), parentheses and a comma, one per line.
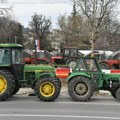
(90,68)
(69,52)
(12,59)
(38,57)
(68,56)
(11,54)
(87,64)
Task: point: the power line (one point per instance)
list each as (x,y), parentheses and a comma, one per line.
(40,2)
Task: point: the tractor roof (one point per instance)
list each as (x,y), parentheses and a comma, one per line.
(10,45)
(70,47)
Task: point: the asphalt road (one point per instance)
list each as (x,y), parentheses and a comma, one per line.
(23,107)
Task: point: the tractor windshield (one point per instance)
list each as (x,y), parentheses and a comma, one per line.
(91,64)
(81,65)
(4,56)
(71,52)
(66,52)
(39,55)
(17,56)
(74,52)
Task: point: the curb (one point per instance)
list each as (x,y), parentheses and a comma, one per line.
(64,90)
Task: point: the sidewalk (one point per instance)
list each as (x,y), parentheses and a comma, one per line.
(64,90)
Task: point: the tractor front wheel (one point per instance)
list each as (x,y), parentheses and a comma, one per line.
(80,88)
(47,89)
(118,94)
(113,93)
(7,84)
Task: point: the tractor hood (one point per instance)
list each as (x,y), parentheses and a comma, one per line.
(38,68)
(55,57)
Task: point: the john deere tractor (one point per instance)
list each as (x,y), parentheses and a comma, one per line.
(14,74)
(87,77)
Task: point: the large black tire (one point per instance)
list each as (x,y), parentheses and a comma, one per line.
(81,88)
(7,84)
(16,89)
(118,94)
(104,66)
(71,62)
(47,88)
(113,67)
(113,93)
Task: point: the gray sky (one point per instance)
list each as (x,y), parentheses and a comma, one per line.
(24,9)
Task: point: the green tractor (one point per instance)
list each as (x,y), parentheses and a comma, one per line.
(14,74)
(87,77)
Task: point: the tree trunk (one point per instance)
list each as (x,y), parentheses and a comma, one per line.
(92,48)
(92,42)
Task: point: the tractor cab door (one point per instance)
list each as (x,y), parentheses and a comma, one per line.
(73,52)
(17,65)
(94,70)
(65,53)
(70,53)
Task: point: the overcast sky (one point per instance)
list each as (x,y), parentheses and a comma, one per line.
(24,9)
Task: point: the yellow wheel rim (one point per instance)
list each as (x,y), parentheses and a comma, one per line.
(47,89)
(3,84)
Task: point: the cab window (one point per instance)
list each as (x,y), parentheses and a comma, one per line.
(4,56)
(81,65)
(17,56)
(91,65)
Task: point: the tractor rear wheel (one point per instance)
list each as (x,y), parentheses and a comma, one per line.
(104,66)
(118,94)
(113,93)
(7,84)
(80,88)
(16,89)
(47,88)
(71,62)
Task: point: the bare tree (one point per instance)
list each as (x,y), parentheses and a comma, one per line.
(10,30)
(97,14)
(113,36)
(73,31)
(4,11)
(40,26)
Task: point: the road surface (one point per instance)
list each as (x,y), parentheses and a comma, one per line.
(23,107)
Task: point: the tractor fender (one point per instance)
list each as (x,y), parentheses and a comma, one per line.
(42,75)
(79,74)
(104,62)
